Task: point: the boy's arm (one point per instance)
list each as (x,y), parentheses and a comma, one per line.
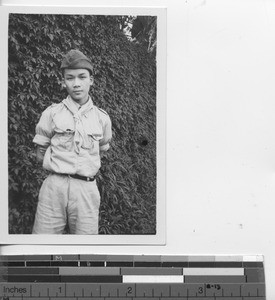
(104,143)
(43,135)
(40,152)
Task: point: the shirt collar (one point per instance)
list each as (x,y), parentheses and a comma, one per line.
(84,105)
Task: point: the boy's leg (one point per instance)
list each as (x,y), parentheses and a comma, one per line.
(51,214)
(83,207)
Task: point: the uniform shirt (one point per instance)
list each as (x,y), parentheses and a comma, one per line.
(74,135)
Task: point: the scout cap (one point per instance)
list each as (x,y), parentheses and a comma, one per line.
(75,59)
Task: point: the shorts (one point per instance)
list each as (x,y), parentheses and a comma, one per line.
(64,200)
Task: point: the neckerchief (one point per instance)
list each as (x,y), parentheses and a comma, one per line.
(81,139)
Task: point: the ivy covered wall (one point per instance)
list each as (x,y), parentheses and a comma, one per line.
(125,87)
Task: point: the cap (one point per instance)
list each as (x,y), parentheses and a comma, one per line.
(75,59)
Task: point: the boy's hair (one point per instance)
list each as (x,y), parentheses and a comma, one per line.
(63,71)
(75,59)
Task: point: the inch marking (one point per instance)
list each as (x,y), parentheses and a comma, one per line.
(19,290)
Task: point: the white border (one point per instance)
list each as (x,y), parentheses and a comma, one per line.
(160,237)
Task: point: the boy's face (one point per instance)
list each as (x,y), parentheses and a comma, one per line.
(78,82)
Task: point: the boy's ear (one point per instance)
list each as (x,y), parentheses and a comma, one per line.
(63,83)
(92,80)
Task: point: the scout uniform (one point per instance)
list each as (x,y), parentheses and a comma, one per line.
(73,135)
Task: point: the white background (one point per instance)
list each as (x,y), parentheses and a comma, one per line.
(220,131)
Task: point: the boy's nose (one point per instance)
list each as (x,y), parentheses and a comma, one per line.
(76,82)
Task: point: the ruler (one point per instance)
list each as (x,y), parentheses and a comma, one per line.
(73,277)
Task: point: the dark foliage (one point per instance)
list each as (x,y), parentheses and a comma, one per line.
(125,86)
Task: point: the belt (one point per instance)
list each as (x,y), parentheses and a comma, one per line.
(76,176)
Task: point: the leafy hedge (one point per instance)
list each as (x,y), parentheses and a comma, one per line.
(125,86)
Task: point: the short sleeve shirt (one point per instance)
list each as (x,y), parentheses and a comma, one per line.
(55,131)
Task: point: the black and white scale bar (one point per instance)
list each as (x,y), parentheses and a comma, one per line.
(131,261)
(125,278)
(175,264)
(135,277)
(40,290)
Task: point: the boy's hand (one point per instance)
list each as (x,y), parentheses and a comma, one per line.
(40,152)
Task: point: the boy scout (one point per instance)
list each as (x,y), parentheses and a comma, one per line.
(70,136)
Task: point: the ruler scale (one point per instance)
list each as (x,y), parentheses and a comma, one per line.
(131,277)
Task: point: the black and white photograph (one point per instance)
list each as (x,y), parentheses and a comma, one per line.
(82,125)
(139,129)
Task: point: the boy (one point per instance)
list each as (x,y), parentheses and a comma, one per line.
(70,136)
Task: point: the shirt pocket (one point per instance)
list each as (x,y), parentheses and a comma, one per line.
(94,139)
(63,137)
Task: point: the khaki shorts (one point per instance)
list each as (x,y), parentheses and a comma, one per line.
(65,200)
